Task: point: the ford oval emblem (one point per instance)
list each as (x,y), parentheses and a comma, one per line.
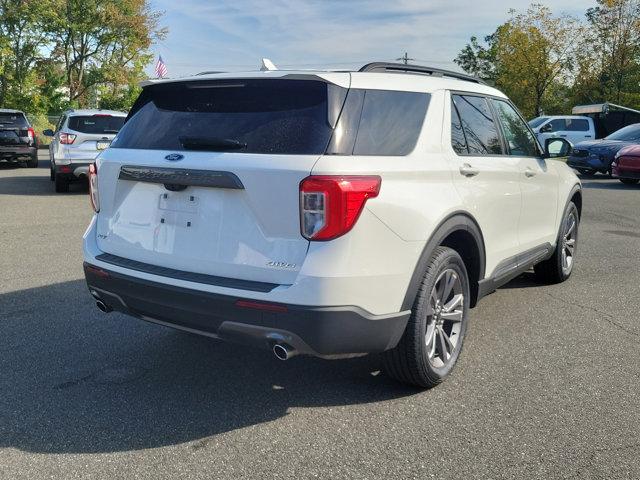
(174,157)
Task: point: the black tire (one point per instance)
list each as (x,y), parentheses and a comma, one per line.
(62,184)
(52,174)
(33,161)
(410,361)
(629,181)
(586,172)
(554,270)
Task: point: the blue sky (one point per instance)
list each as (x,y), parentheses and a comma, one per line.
(235,35)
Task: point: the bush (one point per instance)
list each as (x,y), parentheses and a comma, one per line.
(40,123)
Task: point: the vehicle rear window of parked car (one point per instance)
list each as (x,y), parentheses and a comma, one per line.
(13,120)
(98,124)
(478,124)
(520,140)
(245,115)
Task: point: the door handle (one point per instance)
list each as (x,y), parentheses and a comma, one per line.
(468,171)
(587,136)
(563,135)
(530,173)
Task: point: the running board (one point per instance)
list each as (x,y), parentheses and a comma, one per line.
(512,267)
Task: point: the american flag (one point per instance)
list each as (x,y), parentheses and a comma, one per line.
(161,68)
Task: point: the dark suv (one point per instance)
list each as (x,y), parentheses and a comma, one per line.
(17,139)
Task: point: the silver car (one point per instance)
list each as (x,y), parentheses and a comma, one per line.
(79,137)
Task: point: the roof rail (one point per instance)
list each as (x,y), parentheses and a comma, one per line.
(212,72)
(419,69)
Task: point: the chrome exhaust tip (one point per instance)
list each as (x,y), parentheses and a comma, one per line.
(282,352)
(103,306)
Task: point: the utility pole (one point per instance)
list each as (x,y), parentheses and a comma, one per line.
(405,58)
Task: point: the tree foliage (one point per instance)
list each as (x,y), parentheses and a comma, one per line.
(529,57)
(59,53)
(549,63)
(610,67)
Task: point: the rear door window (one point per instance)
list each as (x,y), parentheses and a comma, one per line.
(577,125)
(275,116)
(478,124)
(96,124)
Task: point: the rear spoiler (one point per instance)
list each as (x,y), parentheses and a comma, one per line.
(342,79)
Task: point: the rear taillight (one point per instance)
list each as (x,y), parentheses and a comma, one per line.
(31,133)
(67,138)
(330,205)
(93,187)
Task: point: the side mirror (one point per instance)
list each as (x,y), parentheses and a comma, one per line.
(48,133)
(556,147)
(546,128)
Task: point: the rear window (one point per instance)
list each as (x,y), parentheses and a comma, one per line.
(274,116)
(249,116)
(13,120)
(99,124)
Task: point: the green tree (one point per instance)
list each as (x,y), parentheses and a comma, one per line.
(23,34)
(529,57)
(103,42)
(609,69)
(480,60)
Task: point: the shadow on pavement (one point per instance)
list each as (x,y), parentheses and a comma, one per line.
(33,185)
(78,381)
(612,184)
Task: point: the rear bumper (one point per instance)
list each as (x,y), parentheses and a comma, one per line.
(14,153)
(320,331)
(75,170)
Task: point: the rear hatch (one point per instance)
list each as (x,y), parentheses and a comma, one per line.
(14,130)
(93,133)
(204,176)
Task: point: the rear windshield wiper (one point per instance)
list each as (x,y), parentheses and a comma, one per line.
(211,144)
(110,131)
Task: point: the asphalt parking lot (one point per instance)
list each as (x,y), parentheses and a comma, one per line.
(548,385)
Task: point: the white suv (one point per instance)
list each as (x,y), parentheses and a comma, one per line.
(326,213)
(79,137)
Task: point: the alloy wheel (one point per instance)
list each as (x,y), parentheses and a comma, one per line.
(445,313)
(569,242)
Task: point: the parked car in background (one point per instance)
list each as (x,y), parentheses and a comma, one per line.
(572,128)
(18,141)
(327,213)
(626,165)
(597,155)
(79,137)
